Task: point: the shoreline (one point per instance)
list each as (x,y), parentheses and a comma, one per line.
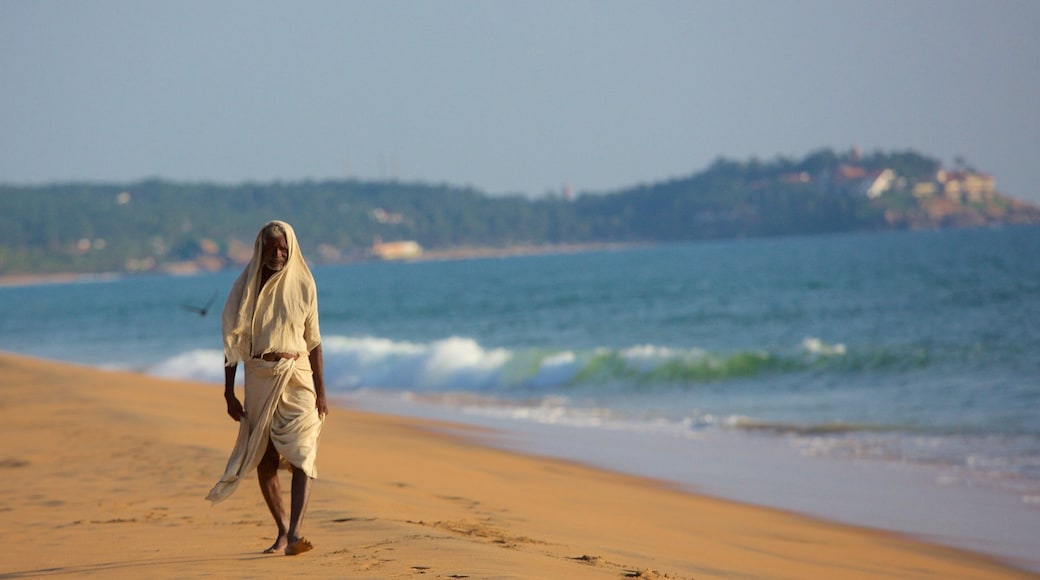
(476,253)
(189,269)
(40,279)
(204,266)
(915,500)
(102,459)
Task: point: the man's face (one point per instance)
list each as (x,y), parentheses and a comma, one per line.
(275,253)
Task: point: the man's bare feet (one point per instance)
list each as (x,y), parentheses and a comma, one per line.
(278,545)
(298,547)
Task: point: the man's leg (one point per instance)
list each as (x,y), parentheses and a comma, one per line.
(301,494)
(267,473)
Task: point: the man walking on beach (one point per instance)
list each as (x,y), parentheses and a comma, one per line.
(270,324)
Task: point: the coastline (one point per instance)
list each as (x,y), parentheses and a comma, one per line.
(474,253)
(105,472)
(915,500)
(191,268)
(37,279)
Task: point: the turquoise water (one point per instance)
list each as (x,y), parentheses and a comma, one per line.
(910,348)
(888,336)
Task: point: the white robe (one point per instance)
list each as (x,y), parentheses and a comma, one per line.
(281,316)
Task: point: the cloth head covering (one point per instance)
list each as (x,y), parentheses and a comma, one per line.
(290,283)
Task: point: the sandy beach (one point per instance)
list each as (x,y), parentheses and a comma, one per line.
(104,474)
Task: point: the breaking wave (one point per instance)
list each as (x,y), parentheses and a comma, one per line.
(462,364)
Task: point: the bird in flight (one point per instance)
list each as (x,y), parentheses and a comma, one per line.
(203,310)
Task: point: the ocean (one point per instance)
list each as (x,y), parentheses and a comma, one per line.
(884,379)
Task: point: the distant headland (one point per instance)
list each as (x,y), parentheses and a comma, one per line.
(163,226)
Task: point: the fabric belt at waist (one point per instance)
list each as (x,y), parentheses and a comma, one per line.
(276,356)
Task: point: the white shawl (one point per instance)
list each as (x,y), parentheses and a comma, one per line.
(293,286)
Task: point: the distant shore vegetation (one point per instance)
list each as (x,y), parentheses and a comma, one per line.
(166,226)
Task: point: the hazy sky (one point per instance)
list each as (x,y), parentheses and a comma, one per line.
(517,96)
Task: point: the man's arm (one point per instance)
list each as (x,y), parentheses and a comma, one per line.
(234,407)
(319,380)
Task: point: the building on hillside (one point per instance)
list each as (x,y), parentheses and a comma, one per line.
(856,179)
(964,185)
(384,217)
(402,250)
(925,189)
(796,177)
(847,173)
(876,183)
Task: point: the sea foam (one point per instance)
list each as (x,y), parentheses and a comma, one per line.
(463,364)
